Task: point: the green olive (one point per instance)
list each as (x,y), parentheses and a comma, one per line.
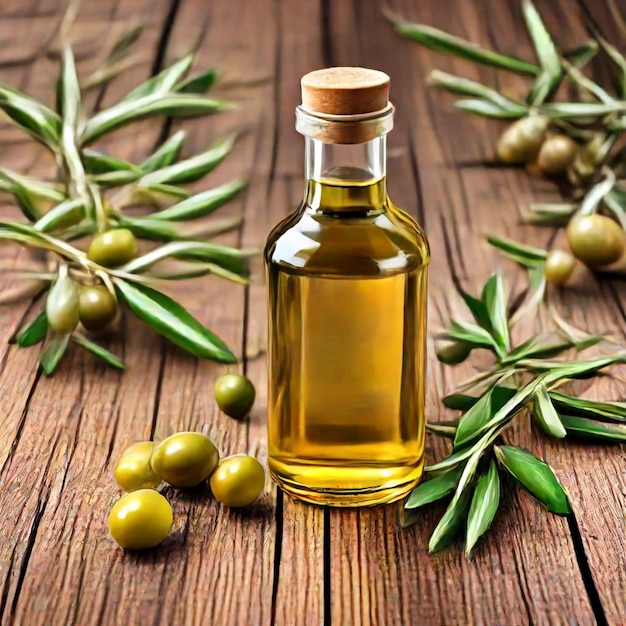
(62,305)
(234,395)
(521,141)
(452,352)
(596,240)
(141,519)
(184,459)
(113,248)
(133,470)
(557,153)
(238,480)
(559,266)
(97,307)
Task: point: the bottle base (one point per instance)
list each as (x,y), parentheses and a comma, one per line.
(341,486)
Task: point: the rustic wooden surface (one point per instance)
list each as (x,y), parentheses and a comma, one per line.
(286,563)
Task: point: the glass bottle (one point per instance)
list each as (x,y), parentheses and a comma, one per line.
(347,281)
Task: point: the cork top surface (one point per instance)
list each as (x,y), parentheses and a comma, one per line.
(345,90)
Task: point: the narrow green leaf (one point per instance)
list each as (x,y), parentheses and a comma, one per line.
(53,353)
(96,162)
(126,112)
(198,84)
(567,110)
(470,333)
(158,195)
(23,198)
(485,108)
(548,345)
(164,82)
(471,422)
(546,52)
(444,428)
(620,64)
(35,333)
(535,476)
(173,321)
(495,301)
(166,154)
(462,402)
(565,369)
(192,169)
(451,524)
(583,53)
(116,178)
(467,87)
(483,508)
(125,42)
(203,203)
(62,216)
(70,100)
(441,41)
(545,414)
(528,256)
(592,409)
(38,120)
(99,351)
(593,429)
(147,228)
(434,488)
(546,214)
(478,309)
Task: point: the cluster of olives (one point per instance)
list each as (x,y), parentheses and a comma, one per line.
(527,141)
(93,305)
(143,517)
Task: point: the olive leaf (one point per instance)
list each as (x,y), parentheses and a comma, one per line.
(593,429)
(567,110)
(167,153)
(97,162)
(191,169)
(478,310)
(173,321)
(164,82)
(158,195)
(434,488)
(583,53)
(498,111)
(546,51)
(467,87)
(125,42)
(203,203)
(483,508)
(495,302)
(550,214)
(67,213)
(471,334)
(545,414)
(155,104)
(592,409)
(547,345)
(527,256)
(35,332)
(451,524)
(199,84)
(98,351)
(535,476)
(444,428)
(441,41)
(617,58)
(463,402)
(53,352)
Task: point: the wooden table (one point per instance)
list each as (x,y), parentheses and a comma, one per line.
(283,562)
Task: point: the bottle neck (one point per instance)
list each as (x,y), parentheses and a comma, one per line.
(345,177)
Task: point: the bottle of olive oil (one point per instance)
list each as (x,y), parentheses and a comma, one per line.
(347,279)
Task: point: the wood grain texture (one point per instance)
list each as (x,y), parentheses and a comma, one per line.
(287,563)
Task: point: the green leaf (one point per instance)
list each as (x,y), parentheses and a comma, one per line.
(24,200)
(545,414)
(199,84)
(155,230)
(70,100)
(495,302)
(192,169)
(125,42)
(444,428)
(35,333)
(548,345)
(567,110)
(96,162)
(36,119)
(463,402)
(451,524)
(566,369)
(166,154)
(546,52)
(173,321)
(158,195)
(486,108)
(592,409)
(62,216)
(483,508)
(434,488)
(583,53)
(535,476)
(620,64)
(126,112)
(547,214)
(467,87)
(478,309)
(164,82)
(99,351)
(441,41)
(116,178)
(40,194)
(528,256)
(471,334)
(53,353)
(593,429)
(203,203)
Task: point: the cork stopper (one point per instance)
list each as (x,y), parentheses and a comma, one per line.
(345,91)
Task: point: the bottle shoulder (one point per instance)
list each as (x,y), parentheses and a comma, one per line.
(384,242)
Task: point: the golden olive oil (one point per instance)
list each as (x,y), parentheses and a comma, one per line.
(347,312)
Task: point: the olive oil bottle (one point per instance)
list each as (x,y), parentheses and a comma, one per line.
(347,280)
